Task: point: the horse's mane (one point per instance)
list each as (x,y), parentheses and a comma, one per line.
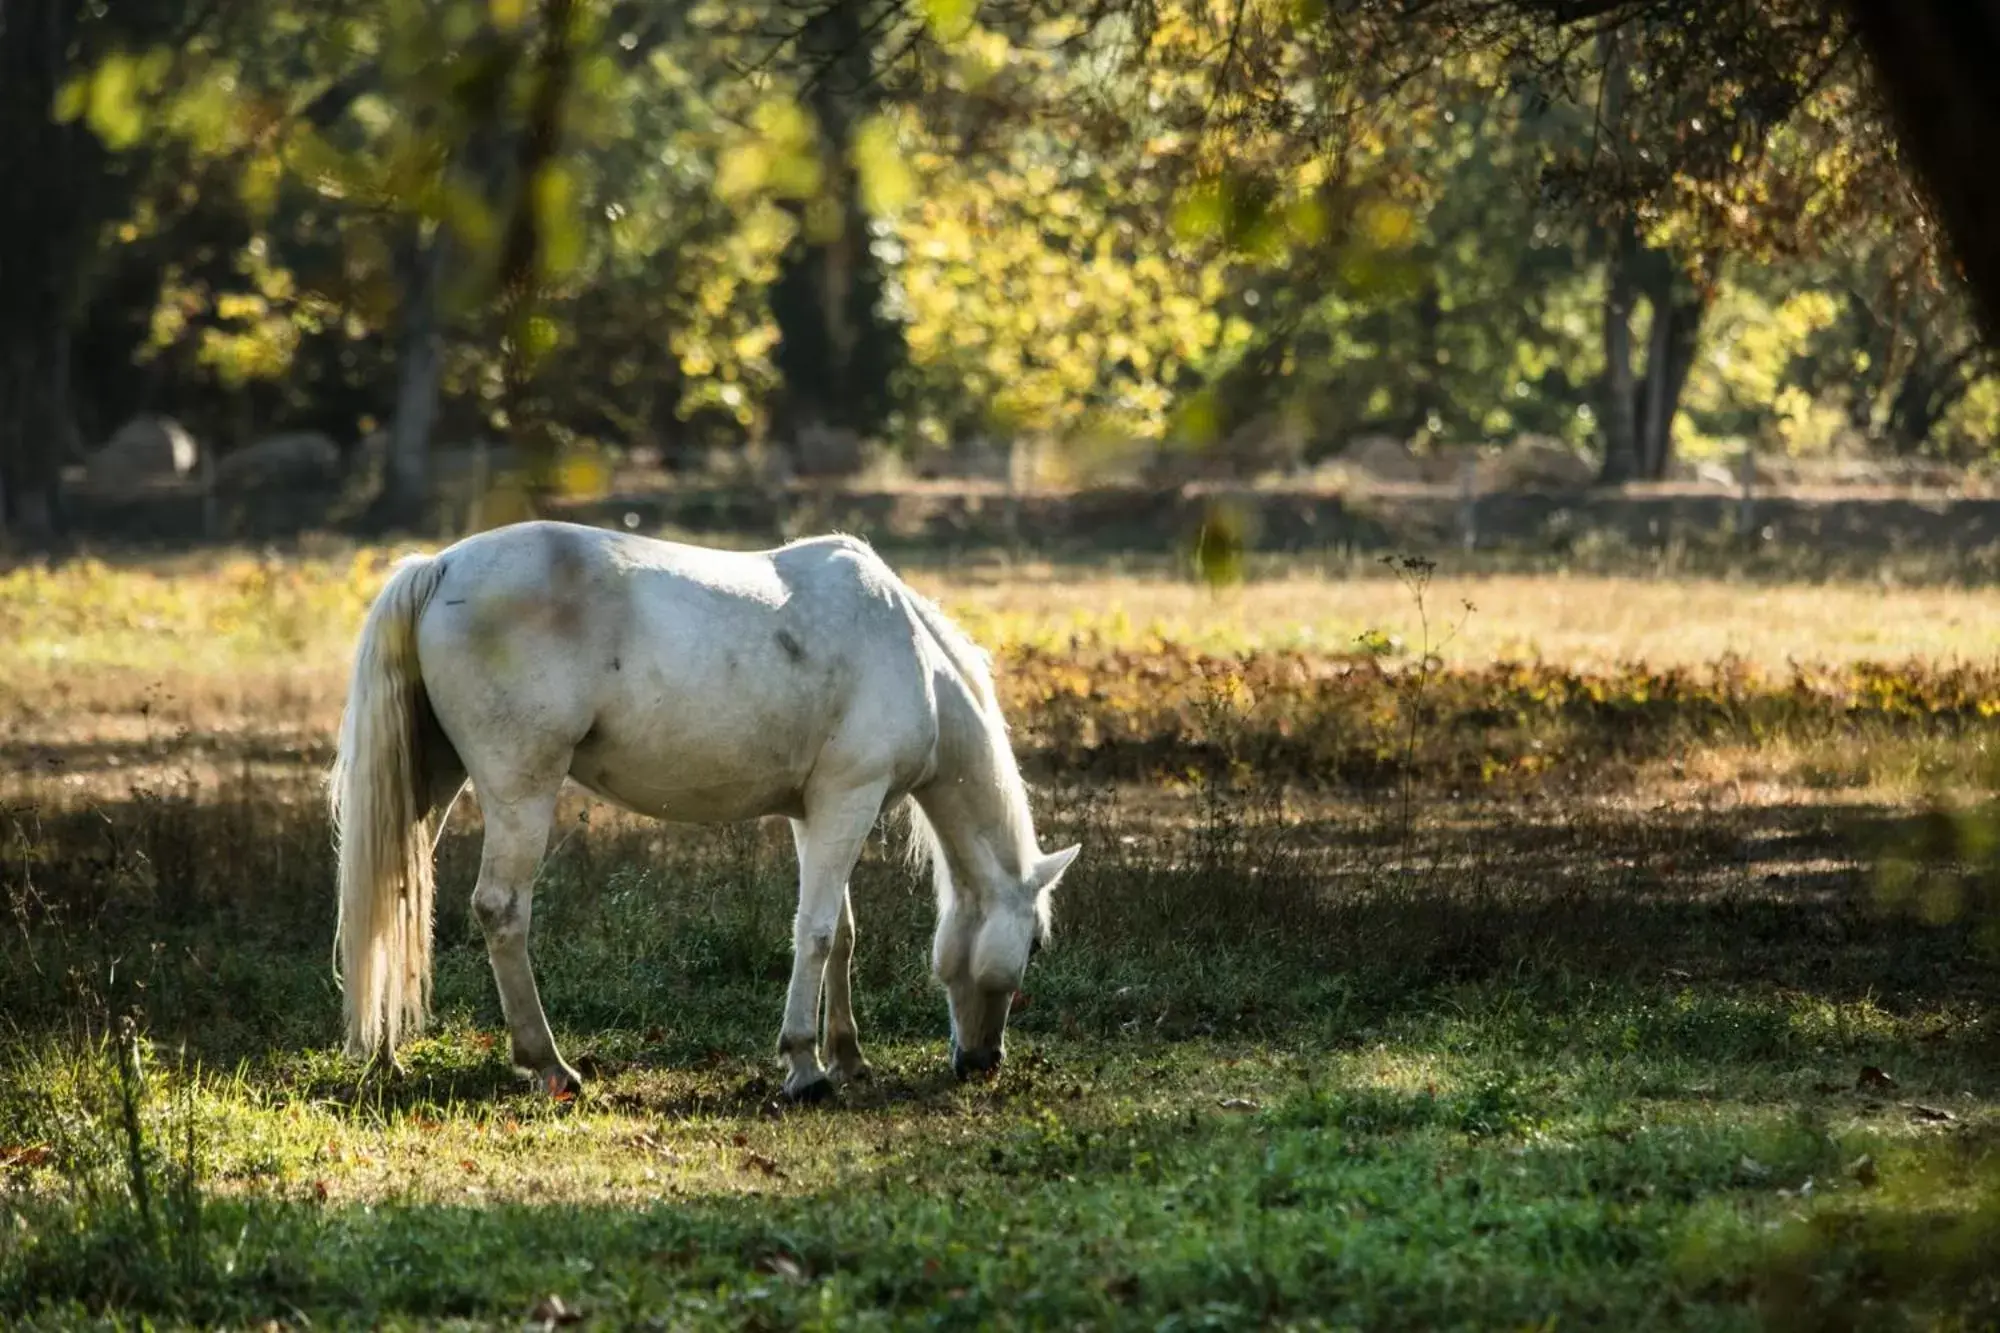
(995,759)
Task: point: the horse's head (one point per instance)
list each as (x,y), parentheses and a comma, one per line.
(982,952)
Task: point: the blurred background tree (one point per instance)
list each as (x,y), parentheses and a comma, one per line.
(1154,237)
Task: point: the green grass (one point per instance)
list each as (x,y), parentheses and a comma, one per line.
(1410,1186)
(1280,1068)
(1527,998)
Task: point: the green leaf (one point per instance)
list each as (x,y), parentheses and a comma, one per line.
(949,19)
(72,99)
(1219,546)
(556,215)
(113,103)
(1201,213)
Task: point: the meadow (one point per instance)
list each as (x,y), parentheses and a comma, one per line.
(1470,948)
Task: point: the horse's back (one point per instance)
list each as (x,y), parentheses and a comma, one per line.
(685,681)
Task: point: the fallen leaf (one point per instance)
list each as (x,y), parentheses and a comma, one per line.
(1863,1170)
(1871,1079)
(741,1140)
(1019,1004)
(1239,1104)
(319,1190)
(762,1163)
(551,1312)
(1933,1114)
(468,1164)
(1751,1169)
(33,1154)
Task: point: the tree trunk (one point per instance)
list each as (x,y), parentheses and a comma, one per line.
(1935,60)
(1670,349)
(1927,391)
(834,351)
(35,429)
(1621,424)
(419,369)
(43,240)
(1428,398)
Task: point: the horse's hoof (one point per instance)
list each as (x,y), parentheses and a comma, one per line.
(561,1082)
(810,1093)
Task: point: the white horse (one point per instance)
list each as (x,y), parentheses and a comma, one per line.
(693,685)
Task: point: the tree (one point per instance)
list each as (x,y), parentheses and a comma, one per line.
(1935,59)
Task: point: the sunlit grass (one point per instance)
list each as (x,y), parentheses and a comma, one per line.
(247,610)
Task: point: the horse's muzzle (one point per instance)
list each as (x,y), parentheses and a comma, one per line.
(966,1063)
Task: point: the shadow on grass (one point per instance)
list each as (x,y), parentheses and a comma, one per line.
(214,913)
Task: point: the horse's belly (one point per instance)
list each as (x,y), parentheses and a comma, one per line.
(687,785)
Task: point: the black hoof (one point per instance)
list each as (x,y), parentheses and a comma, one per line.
(969,1064)
(810,1094)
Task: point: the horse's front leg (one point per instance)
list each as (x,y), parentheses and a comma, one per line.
(517,834)
(843,1043)
(829,841)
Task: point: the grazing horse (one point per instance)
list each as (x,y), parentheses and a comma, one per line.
(693,685)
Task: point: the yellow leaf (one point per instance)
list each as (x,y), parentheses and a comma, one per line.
(887,183)
(743,172)
(583,475)
(949,19)
(507,14)
(1387,225)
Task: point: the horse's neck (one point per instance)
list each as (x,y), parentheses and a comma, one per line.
(978,809)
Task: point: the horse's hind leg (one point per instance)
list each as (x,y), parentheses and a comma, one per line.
(843,1043)
(829,841)
(517,835)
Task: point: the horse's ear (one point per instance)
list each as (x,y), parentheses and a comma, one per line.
(1048,869)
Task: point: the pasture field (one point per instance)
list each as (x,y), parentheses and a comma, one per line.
(1630,963)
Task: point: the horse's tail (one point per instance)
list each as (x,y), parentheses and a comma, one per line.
(381,820)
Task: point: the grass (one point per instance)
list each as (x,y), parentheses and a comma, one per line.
(226,612)
(1669,1007)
